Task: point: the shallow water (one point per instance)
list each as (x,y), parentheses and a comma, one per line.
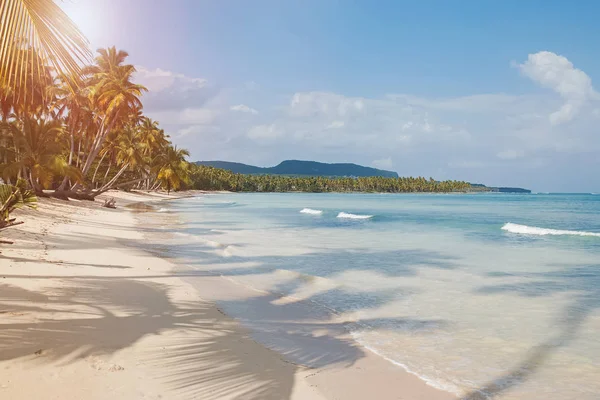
(484,294)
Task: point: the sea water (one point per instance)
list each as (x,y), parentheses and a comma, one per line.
(484,295)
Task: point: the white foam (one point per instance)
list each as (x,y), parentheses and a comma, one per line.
(209,243)
(532,230)
(447,387)
(311,211)
(353,216)
(163,210)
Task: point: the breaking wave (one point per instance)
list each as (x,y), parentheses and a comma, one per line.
(532,230)
(353,216)
(311,211)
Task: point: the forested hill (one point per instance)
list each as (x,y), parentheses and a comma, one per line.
(302,168)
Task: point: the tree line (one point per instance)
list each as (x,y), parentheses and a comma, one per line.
(81,135)
(210,178)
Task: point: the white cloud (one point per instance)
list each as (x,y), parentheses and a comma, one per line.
(557,73)
(159,79)
(468,137)
(384,163)
(264,132)
(243,108)
(187,116)
(336,125)
(198,130)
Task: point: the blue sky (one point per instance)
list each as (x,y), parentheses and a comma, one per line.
(486,91)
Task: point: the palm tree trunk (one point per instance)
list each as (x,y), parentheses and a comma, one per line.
(106,173)
(71,150)
(114,179)
(98,166)
(98,142)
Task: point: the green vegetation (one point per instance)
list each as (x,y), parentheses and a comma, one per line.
(302,168)
(210,178)
(75,132)
(12,197)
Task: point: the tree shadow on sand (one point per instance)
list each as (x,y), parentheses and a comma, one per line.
(202,359)
(204,355)
(584,284)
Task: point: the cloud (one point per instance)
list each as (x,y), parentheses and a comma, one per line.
(159,79)
(557,73)
(264,132)
(336,125)
(495,138)
(173,91)
(384,163)
(243,108)
(187,116)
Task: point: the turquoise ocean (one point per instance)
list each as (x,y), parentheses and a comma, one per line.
(484,295)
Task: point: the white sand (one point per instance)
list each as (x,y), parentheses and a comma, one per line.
(86,315)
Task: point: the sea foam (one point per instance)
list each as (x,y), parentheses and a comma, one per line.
(311,211)
(532,230)
(353,216)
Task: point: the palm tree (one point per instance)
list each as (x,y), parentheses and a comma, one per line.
(43,27)
(129,154)
(114,97)
(39,147)
(11,198)
(171,168)
(73,103)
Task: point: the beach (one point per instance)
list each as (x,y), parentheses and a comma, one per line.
(90,312)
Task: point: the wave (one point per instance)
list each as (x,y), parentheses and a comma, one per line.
(353,216)
(311,211)
(532,230)
(163,210)
(438,384)
(196,238)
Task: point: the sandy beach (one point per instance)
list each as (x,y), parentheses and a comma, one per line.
(88,314)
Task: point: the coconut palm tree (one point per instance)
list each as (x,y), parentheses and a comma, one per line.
(172,170)
(39,148)
(129,154)
(113,96)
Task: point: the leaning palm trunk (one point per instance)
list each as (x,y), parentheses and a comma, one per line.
(97,167)
(98,142)
(63,184)
(106,173)
(115,178)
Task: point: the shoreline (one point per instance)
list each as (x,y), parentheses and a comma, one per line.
(82,311)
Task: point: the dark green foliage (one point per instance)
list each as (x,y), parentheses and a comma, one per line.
(302,168)
(210,178)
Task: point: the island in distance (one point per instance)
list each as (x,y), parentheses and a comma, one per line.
(314,168)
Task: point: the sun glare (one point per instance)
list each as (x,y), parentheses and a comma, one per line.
(88,15)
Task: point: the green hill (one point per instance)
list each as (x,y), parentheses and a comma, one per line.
(301,168)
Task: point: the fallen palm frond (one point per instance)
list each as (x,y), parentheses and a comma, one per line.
(11,198)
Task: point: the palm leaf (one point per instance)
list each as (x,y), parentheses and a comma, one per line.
(44,27)
(12,197)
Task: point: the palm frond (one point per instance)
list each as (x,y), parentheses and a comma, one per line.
(42,26)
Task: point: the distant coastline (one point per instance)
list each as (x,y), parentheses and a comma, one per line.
(316,177)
